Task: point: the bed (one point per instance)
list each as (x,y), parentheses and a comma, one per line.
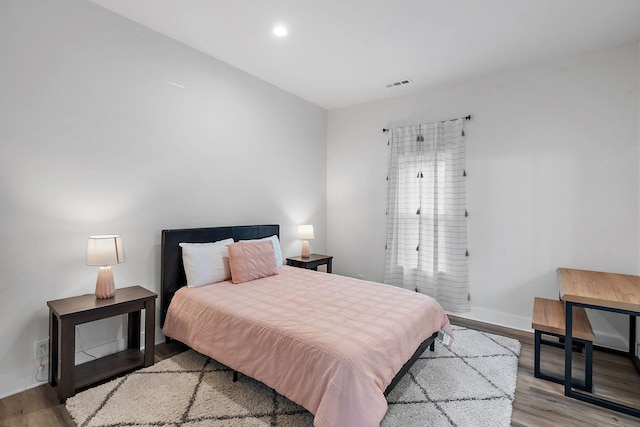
(334,345)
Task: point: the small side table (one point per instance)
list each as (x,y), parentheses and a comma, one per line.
(66,313)
(312,262)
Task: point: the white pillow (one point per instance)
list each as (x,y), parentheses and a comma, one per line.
(276,247)
(206,263)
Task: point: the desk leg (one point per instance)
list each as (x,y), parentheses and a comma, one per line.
(149,332)
(329,266)
(635,358)
(632,336)
(568,390)
(568,348)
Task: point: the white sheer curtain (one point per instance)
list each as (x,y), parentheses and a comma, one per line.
(426,213)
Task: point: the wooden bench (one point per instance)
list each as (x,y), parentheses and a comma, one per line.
(549,319)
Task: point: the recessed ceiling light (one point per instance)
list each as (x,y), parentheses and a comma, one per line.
(280,31)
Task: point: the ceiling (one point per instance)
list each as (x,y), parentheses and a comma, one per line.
(344,52)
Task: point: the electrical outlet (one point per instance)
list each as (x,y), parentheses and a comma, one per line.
(41,348)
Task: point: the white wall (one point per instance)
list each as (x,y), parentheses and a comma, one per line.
(552,164)
(96,136)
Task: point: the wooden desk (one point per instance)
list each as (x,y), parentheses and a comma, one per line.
(618,293)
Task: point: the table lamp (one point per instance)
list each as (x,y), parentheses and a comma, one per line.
(305,233)
(105,250)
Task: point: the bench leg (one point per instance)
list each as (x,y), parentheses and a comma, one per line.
(536,355)
(577,346)
(588,369)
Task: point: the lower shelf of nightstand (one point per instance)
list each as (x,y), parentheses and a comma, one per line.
(92,372)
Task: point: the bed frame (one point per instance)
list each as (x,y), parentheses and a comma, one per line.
(172,276)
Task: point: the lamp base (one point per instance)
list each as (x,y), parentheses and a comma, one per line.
(305,249)
(105,286)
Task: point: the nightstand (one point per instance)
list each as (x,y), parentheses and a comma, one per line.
(312,262)
(65,314)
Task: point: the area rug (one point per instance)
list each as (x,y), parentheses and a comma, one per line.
(470,383)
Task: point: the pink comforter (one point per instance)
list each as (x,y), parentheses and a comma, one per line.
(327,342)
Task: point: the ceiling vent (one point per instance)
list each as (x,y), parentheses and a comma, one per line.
(398,83)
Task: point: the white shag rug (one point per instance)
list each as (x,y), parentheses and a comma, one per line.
(470,383)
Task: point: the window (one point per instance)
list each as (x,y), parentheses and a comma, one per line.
(426,213)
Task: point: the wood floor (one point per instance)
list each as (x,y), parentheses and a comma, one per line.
(542,403)
(537,403)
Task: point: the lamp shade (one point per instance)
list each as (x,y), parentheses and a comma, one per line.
(305,232)
(105,249)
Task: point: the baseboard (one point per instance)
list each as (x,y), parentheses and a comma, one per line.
(610,340)
(493,317)
(106,349)
(605,338)
(13,382)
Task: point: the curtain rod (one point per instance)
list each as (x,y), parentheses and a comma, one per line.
(441,121)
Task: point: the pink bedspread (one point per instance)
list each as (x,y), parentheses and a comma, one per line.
(327,342)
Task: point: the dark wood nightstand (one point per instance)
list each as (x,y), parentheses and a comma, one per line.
(312,262)
(65,314)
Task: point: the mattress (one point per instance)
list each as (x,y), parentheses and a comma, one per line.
(327,342)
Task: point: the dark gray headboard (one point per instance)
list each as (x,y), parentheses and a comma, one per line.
(172,275)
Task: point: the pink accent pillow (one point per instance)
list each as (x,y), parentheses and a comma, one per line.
(252,260)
